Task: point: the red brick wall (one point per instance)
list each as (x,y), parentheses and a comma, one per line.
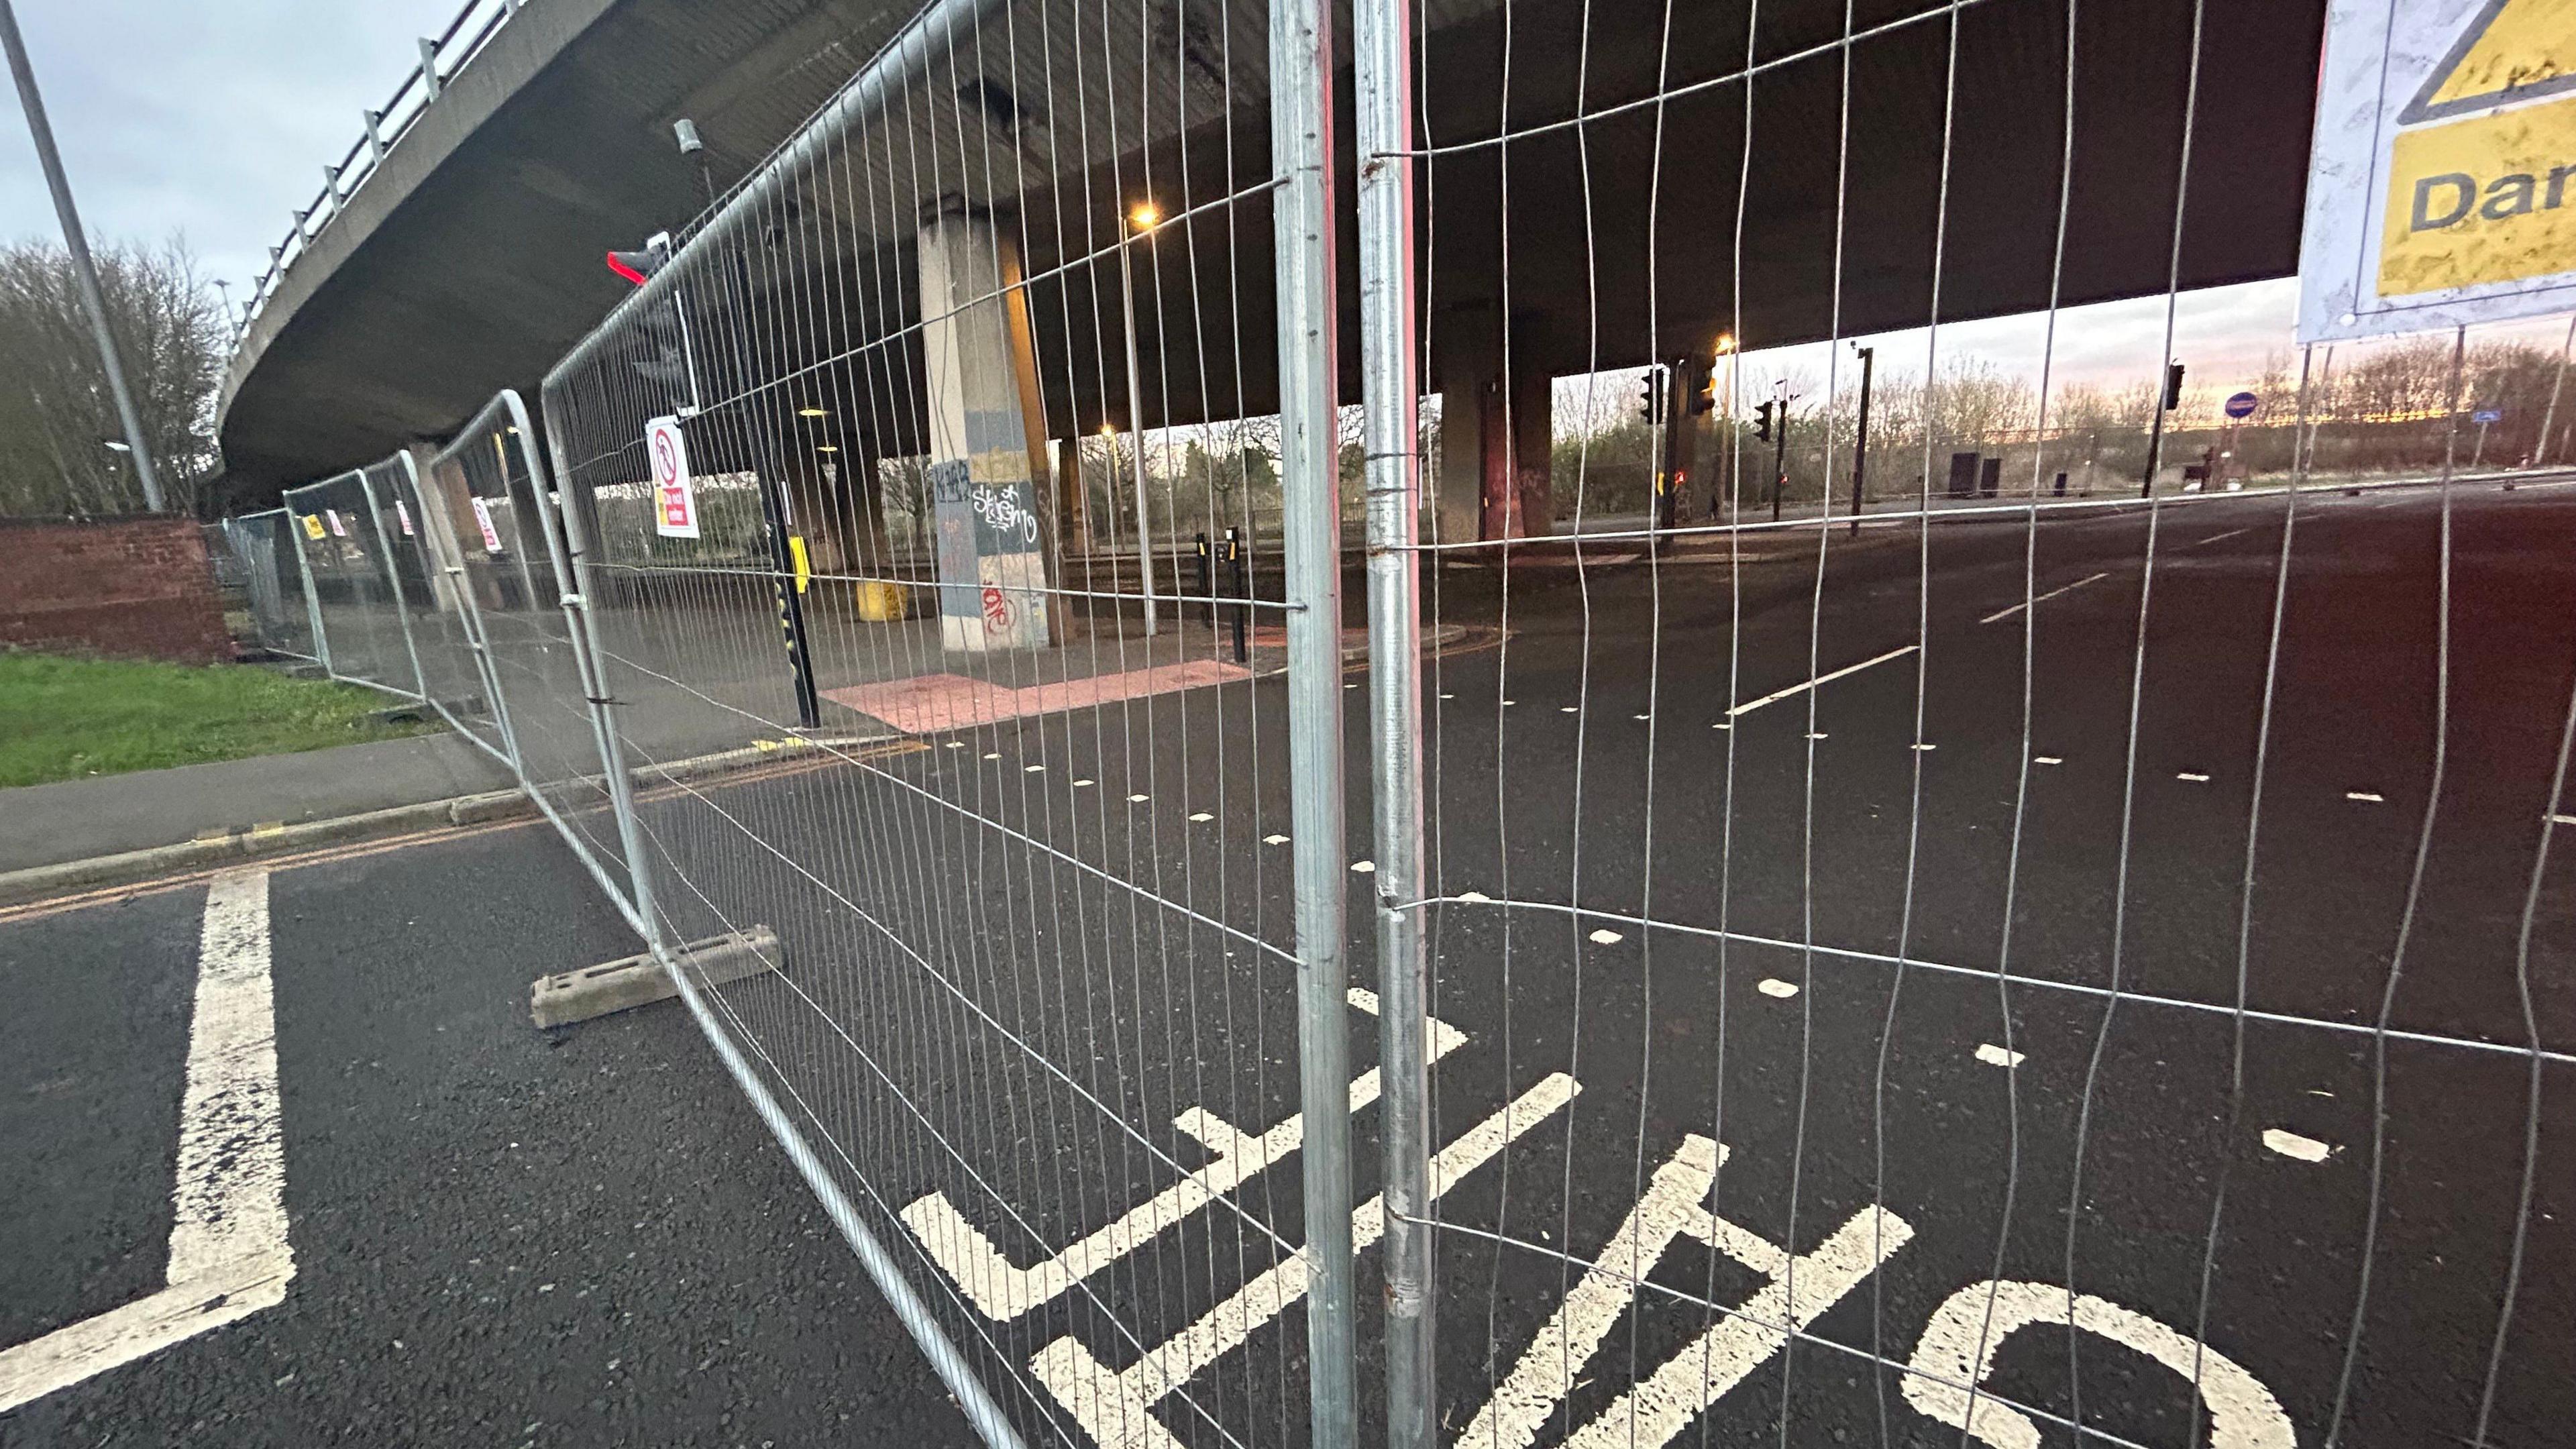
(132,587)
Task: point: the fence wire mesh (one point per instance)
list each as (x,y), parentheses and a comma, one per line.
(349,568)
(1911,903)
(265,563)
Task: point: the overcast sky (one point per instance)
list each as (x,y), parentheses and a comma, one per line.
(208,119)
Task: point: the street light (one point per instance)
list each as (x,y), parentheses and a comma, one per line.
(1141,221)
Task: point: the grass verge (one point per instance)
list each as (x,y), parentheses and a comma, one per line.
(64,718)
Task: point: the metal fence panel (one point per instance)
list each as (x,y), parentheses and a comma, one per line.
(491,496)
(442,623)
(268,564)
(1019,816)
(354,591)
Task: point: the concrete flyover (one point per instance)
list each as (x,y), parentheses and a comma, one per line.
(480,263)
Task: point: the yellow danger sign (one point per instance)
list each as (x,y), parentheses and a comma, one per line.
(2460,115)
(313,527)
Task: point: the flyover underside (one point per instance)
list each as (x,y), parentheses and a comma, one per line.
(1557,190)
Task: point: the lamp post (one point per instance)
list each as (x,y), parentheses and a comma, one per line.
(75,241)
(1138,223)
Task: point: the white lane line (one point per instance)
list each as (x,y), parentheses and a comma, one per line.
(2215,537)
(2043,598)
(1774,986)
(1116,1406)
(1004,1290)
(2291,1144)
(1995,1056)
(1798,689)
(2367,797)
(2562,819)
(229,1255)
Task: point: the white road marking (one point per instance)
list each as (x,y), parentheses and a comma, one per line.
(1641,716)
(229,1254)
(1816,734)
(1138,799)
(1798,689)
(1959,1345)
(1927,747)
(2196,779)
(1568,709)
(2562,819)
(1477,896)
(956,744)
(1448,696)
(1032,769)
(1774,986)
(1274,840)
(2215,537)
(1995,1056)
(1004,1291)
(2291,1144)
(1079,784)
(2043,598)
(1607,937)
(1201,815)
(2046,760)
(994,755)
(1116,1407)
(1364,867)
(1510,702)
(1724,724)
(2371,797)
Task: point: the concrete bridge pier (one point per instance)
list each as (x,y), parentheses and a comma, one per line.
(988,455)
(1493,479)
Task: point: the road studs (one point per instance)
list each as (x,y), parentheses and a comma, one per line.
(2291,1144)
(1774,986)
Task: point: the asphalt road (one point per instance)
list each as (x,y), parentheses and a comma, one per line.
(1007,976)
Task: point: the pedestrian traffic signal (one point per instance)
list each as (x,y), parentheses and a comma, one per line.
(1762,429)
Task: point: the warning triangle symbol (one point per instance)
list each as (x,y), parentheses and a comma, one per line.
(2511,50)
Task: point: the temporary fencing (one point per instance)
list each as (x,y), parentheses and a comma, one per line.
(268,566)
(1790,981)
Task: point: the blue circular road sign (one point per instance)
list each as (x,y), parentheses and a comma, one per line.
(2242,405)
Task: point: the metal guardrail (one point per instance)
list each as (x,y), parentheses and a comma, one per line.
(442,58)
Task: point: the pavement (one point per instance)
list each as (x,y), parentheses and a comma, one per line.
(113,814)
(1980,1032)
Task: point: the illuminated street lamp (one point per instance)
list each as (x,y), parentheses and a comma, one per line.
(1142,218)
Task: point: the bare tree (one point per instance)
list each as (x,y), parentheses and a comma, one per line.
(56,415)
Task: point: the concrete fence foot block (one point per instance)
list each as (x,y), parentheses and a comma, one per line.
(639,980)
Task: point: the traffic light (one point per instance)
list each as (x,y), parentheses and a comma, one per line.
(1704,398)
(662,343)
(638,266)
(1762,429)
(2173,386)
(1650,395)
